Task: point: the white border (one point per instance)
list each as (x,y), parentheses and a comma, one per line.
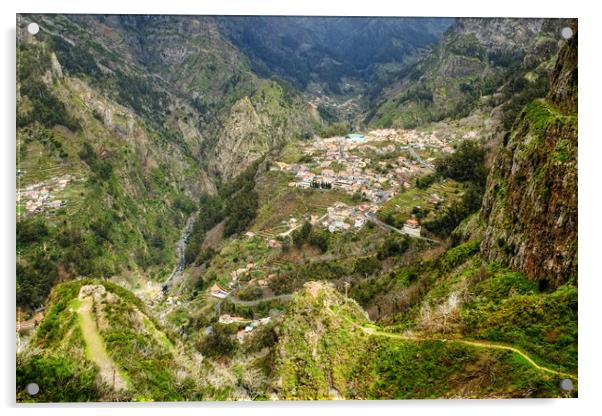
(590,152)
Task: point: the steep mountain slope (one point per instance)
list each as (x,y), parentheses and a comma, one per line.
(318,342)
(242,114)
(530,208)
(101,190)
(99,339)
(466,68)
(325,50)
(116,147)
(328,349)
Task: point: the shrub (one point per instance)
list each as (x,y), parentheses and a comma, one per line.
(220,342)
(466,164)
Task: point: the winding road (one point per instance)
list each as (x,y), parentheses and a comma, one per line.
(240,302)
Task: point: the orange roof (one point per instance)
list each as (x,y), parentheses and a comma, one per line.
(216,288)
(412,221)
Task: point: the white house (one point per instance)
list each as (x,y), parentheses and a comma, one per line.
(412,227)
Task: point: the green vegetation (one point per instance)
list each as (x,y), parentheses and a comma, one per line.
(236,204)
(278,202)
(465,165)
(61,379)
(316,346)
(144,148)
(543,324)
(138,346)
(379,366)
(219,343)
(418,201)
(336,129)
(42,106)
(432,369)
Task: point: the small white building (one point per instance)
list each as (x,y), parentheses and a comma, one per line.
(218,292)
(412,227)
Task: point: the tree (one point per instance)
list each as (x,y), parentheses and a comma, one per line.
(336,129)
(366,265)
(219,343)
(466,164)
(319,239)
(393,245)
(301,234)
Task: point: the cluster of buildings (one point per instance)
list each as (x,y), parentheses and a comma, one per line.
(420,139)
(38,197)
(341,217)
(376,166)
(346,163)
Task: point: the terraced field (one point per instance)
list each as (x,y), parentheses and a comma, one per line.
(279,202)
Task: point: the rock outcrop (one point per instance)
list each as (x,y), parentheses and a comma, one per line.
(530,206)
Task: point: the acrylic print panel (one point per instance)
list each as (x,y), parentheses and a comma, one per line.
(295,208)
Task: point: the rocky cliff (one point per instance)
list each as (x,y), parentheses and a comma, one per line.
(530,206)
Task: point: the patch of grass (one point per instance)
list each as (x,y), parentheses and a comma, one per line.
(278,201)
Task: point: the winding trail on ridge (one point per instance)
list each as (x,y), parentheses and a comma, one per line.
(477,344)
(95,348)
(370,330)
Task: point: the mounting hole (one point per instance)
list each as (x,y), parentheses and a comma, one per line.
(566,33)
(566,384)
(32,389)
(33,28)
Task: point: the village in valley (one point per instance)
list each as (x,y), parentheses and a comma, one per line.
(351,177)
(370,169)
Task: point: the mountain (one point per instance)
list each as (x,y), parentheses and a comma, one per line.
(163,106)
(97,342)
(101,190)
(183,72)
(326,50)
(328,349)
(530,207)
(101,107)
(479,63)
(189,228)
(513,282)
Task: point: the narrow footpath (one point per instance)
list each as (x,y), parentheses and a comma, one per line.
(95,348)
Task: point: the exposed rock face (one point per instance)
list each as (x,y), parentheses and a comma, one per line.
(500,34)
(256,124)
(530,207)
